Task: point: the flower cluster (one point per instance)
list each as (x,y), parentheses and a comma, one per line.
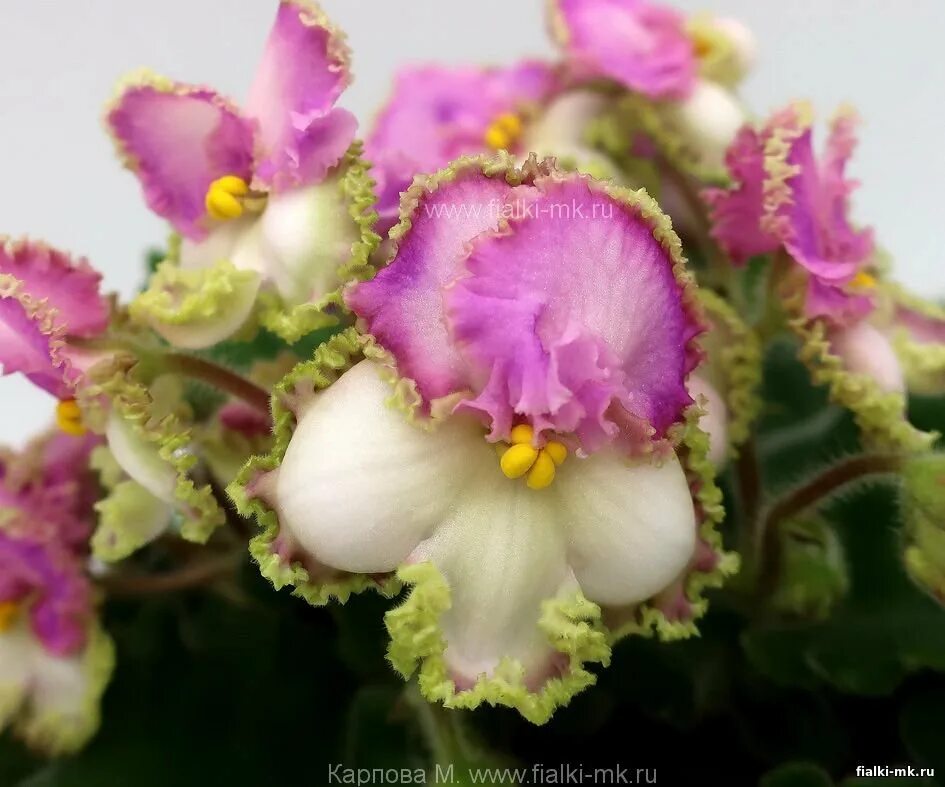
(490,361)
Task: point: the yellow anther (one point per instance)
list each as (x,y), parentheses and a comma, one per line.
(69,417)
(8,610)
(864,281)
(504,131)
(224,199)
(542,472)
(557,451)
(518,460)
(522,434)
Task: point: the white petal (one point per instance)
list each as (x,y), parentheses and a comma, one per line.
(743,41)
(502,552)
(140,459)
(631,525)
(218,246)
(360,486)
(864,350)
(708,119)
(306,235)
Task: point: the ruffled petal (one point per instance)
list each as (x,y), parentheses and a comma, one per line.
(403,306)
(304,70)
(129,518)
(736,212)
(68,288)
(643,46)
(864,350)
(575,309)
(178,139)
(30,342)
(47,580)
(807,201)
(197,308)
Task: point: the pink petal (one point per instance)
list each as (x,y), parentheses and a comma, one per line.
(437,114)
(304,70)
(573,310)
(49,579)
(178,139)
(69,288)
(403,306)
(30,341)
(736,213)
(641,45)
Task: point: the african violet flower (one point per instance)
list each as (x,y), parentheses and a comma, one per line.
(47,301)
(513,438)
(785,200)
(51,312)
(271,203)
(55,660)
(680,72)
(436,114)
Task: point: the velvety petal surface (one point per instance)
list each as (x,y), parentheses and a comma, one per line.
(304,70)
(178,139)
(639,44)
(572,310)
(398,481)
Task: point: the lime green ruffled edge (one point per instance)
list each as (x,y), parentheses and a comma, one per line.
(647,620)
(740,360)
(56,734)
(329,362)
(923,363)
(880,415)
(573,627)
(178,302)
(922,501)
(298,321)
(118,381)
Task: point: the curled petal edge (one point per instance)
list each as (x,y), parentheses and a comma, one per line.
(121,384)
(880,415)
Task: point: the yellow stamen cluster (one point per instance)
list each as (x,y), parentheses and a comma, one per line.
(69,417)
(864,281)
(225,196)
(8,611)
(504,132)
(539,463)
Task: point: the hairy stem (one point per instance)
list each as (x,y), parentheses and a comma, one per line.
(808,496)
(190,576)
(219,377)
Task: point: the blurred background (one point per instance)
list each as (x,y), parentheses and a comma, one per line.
(59,62)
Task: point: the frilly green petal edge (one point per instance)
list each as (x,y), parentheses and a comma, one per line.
(923,362)
(881,416)
(198,307)
(647,619)
(56,734)
(739,357)
(129,517)
(330,361)
(119,381)
(417,645)
(292,323)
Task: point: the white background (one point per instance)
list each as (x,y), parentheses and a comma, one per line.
(59,60)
